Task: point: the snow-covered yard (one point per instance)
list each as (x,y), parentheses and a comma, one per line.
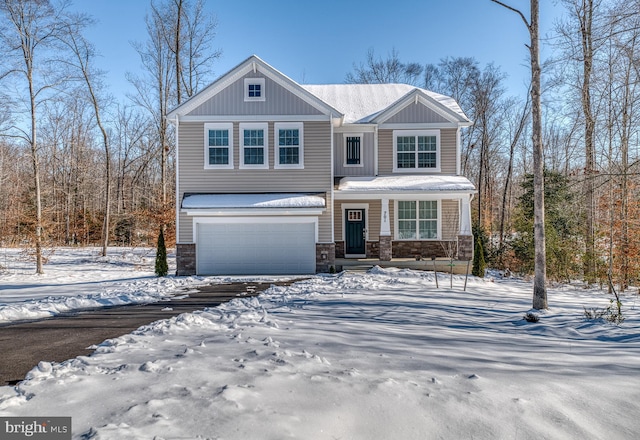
(381,355)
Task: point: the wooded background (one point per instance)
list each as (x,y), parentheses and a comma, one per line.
(79,168)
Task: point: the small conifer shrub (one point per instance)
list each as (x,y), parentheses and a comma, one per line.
(162,268)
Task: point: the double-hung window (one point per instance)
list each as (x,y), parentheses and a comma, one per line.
(416,150)
(417,220)
(218,145)
(253,145)
(288,145)
(352,150)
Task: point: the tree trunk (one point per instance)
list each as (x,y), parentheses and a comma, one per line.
(586,21)
(540,276)
(36,179)
(539,287)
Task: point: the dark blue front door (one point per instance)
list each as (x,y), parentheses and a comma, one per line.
(355,232)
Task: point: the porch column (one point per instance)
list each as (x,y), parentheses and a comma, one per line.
(385,222)
(385,232)
(465,236)
(465,216)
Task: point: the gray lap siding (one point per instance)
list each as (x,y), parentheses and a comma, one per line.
(315,177)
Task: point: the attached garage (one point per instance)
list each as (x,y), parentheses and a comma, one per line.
(254,234)
(256,246)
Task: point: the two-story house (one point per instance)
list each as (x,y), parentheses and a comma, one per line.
(276,177)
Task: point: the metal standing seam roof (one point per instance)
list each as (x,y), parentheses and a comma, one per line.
(263,200)
(399,183)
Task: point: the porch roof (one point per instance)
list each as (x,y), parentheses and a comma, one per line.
(406,183)
(261,200)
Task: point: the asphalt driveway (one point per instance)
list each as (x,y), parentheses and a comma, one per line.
(23,345)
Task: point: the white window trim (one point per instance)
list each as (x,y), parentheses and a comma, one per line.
(344,150)
(251,81)
(254,126)
(398,133)
(276,152)
(396,221)
(218,126)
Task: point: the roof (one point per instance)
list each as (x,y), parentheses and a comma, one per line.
(407,183)
(363,102)
(266,200)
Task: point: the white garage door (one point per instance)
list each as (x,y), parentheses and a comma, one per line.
(255,248)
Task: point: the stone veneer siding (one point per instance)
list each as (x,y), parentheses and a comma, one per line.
(386,253)
(373,249)
(339,249)
(325,256)
(465,247)
(424,249)
(185,259)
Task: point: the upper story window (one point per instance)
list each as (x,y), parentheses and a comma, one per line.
(416,150)
(288,145)
(218,145)
(253,145)
(352,150)
(254,89)
(417,220)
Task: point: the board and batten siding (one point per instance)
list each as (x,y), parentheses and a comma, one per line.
(367,152)
(315,177)
(416,114)
(279,101)
(448,138)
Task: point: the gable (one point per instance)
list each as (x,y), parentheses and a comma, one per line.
(417,113)
(278,101)
(226,96)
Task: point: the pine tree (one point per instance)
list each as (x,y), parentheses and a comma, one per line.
(478,259)
(162,268)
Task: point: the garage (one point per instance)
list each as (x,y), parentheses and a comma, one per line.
(256,246)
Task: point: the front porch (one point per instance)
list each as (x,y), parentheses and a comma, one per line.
(441,264)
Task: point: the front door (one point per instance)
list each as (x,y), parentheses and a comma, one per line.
(355,232)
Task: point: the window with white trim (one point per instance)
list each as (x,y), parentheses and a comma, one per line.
(416,150)
(218,145)
(254,89)
(352,150)
(253,145)
(417,220)
(288,145)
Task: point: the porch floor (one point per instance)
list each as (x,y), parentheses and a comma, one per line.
(441,264)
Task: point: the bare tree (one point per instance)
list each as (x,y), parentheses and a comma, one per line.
(83,54)
(192,31)
(177,58)
(31,33)
(385,71)
(154,91)
(540,276)
(579,45)
(519,129)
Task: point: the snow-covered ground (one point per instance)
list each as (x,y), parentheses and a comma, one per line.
(378,355)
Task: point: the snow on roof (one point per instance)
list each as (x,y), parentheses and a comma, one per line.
(406,183)
(271,200)
(362,102)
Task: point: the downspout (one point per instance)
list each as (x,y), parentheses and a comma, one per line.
(177,181)
(333,238)
(458,150)
(375,150)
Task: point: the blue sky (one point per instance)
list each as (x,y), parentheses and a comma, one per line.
(317,42)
